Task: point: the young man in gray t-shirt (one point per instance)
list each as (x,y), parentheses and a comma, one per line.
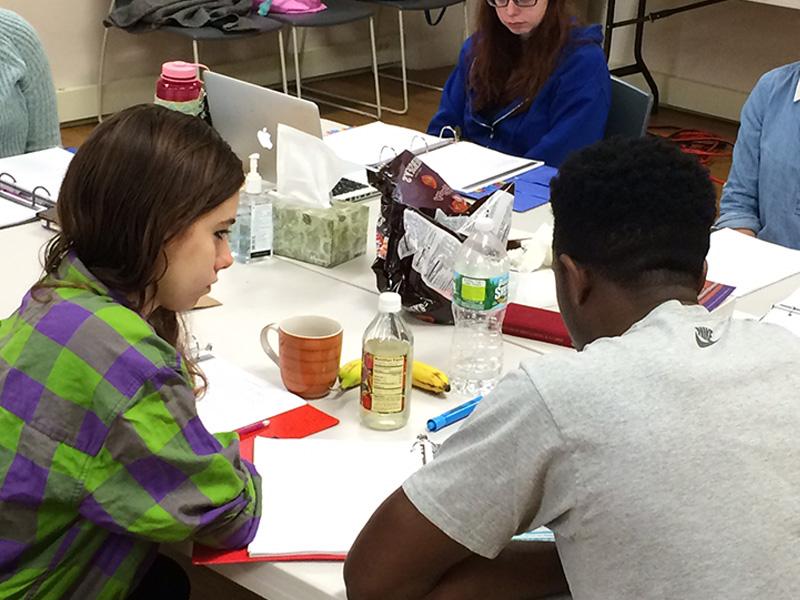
(665,454)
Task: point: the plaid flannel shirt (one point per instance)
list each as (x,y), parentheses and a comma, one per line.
(102,455)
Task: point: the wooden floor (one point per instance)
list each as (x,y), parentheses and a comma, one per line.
(207,584)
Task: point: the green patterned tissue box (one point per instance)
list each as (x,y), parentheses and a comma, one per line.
(320,236)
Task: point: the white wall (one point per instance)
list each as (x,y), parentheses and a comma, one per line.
(705,60)
(708,60)
(72,33)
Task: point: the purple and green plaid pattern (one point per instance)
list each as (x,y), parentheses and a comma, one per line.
(102,455)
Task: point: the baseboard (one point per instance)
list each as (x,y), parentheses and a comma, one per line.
(77,103)
(695,96)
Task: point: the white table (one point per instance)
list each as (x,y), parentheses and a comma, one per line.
(252,296)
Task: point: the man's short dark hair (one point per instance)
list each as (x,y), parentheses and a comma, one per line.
(636,210)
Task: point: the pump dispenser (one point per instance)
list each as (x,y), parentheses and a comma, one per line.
(251,235)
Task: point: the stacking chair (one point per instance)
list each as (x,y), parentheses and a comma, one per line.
(338,12)
(264,25)
(415,5)
(630,110)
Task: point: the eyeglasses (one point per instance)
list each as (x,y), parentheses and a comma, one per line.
(519,3)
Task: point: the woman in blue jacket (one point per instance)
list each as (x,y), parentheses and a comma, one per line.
(530,82)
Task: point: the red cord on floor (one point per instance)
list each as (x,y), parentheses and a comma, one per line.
(704,145)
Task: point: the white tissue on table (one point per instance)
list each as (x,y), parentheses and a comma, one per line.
(535,252)
(307,168)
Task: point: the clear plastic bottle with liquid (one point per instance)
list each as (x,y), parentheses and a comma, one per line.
(251,236)
(388,355)
(480,295)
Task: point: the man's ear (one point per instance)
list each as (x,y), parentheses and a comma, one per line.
(702,281)
(576,280)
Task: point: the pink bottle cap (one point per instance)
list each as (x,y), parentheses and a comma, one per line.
(178,69)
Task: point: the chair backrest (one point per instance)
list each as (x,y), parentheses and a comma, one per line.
(630,110)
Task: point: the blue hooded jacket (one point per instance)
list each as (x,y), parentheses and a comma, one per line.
(568,113)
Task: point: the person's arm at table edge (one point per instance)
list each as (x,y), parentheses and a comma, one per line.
(401,554)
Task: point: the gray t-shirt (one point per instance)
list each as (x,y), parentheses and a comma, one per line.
(666,460)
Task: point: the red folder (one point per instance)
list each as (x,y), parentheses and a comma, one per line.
(296,423)
(536,324)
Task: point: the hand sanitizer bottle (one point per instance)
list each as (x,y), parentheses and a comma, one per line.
(251,235)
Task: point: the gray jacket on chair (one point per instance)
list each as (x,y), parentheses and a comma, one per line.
(228,15)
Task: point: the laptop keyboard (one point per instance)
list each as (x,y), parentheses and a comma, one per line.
(345,186)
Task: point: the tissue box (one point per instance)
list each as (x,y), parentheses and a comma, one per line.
(320,236)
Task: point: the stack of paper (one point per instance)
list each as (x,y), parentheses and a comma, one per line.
(747,263)
(378,142)
(320,493)
(236,399)
(465,165)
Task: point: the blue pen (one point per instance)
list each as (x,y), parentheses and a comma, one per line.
(454,415)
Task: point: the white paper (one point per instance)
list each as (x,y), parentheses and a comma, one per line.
(320,493)
(378,142)
(307,169)
(235,398)
(465,165)
(12,213)
(786,313)
(45,168)
(748,263)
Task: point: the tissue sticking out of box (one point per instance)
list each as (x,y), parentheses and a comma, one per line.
(307,168)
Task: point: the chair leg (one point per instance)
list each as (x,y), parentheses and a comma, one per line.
(375,67)
(296,63)
(283,62)
(100,76)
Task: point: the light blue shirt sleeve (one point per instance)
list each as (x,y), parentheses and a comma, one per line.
(739,207)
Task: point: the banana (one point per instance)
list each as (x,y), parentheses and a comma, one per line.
(350,374)
(429,378)
(424,376)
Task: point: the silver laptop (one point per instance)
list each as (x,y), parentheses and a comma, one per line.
(247,116)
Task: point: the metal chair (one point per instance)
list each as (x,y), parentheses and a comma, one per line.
(630,110)
(415,5)
(338,12)
(264,25)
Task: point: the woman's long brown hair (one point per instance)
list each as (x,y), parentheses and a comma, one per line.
(506,66)
(140,180)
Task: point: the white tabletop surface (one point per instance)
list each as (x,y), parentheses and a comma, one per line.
(255,295)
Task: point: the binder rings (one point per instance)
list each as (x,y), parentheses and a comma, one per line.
(29,184)
(318,495)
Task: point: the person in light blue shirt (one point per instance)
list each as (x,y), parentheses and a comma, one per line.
(762,195)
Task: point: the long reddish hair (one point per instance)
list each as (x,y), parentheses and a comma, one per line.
(506,66)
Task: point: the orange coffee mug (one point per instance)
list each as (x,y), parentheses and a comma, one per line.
(309,349)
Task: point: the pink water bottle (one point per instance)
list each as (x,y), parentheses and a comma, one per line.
(179,87)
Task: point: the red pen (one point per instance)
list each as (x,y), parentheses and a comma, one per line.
(253,428)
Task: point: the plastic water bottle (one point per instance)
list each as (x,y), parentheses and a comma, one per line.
(480,295)
(178,88)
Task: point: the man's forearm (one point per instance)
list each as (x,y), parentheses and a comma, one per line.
(523,571)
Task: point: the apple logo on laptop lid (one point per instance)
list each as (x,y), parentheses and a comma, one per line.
(264,138)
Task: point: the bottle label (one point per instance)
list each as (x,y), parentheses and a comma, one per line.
(480,294)
(261,230)
(383,383)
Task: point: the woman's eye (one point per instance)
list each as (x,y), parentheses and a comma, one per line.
(222,234)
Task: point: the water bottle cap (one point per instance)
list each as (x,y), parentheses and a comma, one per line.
(484,224)
(389,302)
(178,69)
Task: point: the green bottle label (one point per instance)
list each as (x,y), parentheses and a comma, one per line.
(480,294)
